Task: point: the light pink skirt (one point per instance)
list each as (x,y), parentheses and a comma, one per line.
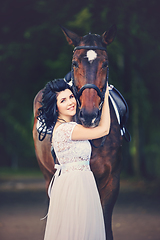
(75,211)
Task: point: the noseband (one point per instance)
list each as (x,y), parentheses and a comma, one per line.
(89,85)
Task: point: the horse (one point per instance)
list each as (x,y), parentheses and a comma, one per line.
(89,76)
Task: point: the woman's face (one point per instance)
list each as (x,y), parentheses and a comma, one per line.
(66,104)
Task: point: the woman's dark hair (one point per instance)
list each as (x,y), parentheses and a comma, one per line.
(47,114)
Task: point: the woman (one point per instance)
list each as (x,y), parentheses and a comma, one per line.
(75,211)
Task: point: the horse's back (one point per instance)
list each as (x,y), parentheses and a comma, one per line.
(36,102)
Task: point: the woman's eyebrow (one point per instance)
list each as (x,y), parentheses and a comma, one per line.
(62,99)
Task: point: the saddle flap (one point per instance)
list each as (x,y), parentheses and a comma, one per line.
(123,110)
(121,105)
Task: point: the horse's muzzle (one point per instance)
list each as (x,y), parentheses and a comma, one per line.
(89,119)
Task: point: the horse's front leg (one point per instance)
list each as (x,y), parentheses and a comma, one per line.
(109,196)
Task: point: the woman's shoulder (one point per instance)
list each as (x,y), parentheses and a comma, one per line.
(65,129)
(66,125)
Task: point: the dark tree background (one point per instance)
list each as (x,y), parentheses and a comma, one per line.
(33,51)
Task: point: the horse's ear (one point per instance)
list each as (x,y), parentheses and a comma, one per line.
(109,36)
(72,38)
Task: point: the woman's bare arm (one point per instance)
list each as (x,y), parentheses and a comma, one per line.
(83,133)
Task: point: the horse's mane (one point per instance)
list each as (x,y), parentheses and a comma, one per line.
(92,40)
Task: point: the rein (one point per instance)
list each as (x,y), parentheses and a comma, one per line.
(90,85)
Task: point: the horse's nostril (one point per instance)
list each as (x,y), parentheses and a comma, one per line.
(81,114)
(98,113)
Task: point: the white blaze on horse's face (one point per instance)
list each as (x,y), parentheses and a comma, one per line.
(91,55)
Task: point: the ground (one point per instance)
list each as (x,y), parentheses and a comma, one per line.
(23,202)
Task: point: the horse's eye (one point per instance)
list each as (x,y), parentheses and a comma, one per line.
(75,64)
(105,64)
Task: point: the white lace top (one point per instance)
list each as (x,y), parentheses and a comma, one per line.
(72,155)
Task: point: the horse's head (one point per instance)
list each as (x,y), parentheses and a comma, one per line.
(89,72)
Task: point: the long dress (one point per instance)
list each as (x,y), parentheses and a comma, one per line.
(75,211)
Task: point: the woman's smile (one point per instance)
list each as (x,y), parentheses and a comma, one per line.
(71,108)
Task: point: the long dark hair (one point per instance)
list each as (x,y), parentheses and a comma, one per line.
(48,114)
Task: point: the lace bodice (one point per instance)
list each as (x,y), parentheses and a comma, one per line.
(73,155)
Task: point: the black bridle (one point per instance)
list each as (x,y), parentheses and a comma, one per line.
(89,85)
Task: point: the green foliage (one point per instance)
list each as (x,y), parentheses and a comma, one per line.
(33,50)
(82,20)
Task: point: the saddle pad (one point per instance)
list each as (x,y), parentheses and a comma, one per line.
(42,128)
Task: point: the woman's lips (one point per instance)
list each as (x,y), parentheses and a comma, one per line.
(71,108)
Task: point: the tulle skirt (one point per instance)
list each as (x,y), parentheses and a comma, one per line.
(75,211)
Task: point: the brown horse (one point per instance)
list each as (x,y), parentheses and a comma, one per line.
(89,77)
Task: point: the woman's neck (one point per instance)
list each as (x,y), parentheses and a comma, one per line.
(61,120)
(64,119)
